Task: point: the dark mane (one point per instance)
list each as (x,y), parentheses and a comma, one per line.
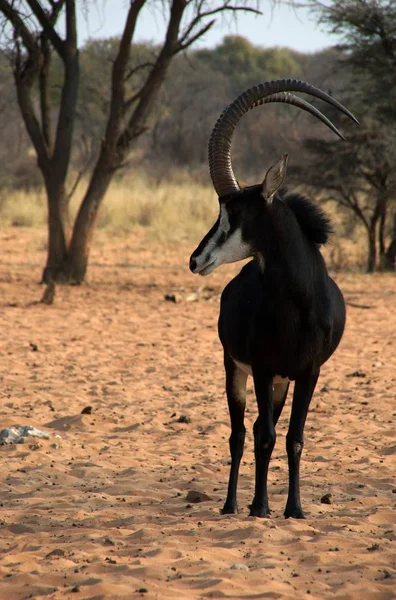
(311,218)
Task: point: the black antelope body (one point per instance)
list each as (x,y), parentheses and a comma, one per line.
(282,317)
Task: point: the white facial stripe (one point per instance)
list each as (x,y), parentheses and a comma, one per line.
(233,249)
(223,228)
(216,253)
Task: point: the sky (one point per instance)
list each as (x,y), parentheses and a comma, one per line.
(278,26)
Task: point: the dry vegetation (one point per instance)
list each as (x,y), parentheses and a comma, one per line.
(179,209)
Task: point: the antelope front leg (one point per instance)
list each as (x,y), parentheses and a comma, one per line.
(236,397)
(264,441)
(303,391)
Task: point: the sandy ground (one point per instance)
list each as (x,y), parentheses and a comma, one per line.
(99,510)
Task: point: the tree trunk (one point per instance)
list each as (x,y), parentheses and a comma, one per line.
(390,255)
(117,143)
(381,236)
(381,229)
(372,249)
(58,231)
(80,244)
(378,216)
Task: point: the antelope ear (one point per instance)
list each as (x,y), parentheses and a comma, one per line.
(274,178)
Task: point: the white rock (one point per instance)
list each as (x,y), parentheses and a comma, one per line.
(19,434)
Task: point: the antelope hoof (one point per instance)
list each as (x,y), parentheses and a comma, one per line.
(229,509)
(263,512)
(294,513)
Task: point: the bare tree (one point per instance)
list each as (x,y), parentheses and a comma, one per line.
(361,173)
(31,36)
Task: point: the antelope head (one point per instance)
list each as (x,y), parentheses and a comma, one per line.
(230,238)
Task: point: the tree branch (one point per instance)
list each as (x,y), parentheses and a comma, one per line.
(71,28)
(117,101)
(45,105)
(68,102)
(128,103)
(148,93)
(208,13)
(200,33)
(48,26)
(77,180)
(12,15)
(24,82)
(133,71)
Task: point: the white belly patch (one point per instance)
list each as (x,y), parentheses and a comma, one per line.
(248,370)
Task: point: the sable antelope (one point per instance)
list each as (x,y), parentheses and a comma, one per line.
(282,316)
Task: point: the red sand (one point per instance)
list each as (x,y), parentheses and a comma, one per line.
(99,510)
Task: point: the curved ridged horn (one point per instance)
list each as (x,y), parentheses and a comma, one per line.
(220,165)
(289,98)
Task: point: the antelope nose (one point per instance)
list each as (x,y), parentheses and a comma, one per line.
(193,264)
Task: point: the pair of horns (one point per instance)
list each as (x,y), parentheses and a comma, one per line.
(220,165)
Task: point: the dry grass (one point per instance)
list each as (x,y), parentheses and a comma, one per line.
(176,209)
(172,210)
(347,247)
(179,209)
(20,208)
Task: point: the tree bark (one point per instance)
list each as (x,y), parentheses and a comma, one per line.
(390,255)
(58,230)
(381,235)
(378,216)
(55,174)
(80,243)
(372,249)
(382,227)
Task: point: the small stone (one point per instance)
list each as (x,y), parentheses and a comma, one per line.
(175,298)
(108,542)
(142,590)
(196,497)
(327,499)
(184,419)
(76,588)
(87,410)
(356,374)
(193,297)
(239,567)
(34,446)
(387,575)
